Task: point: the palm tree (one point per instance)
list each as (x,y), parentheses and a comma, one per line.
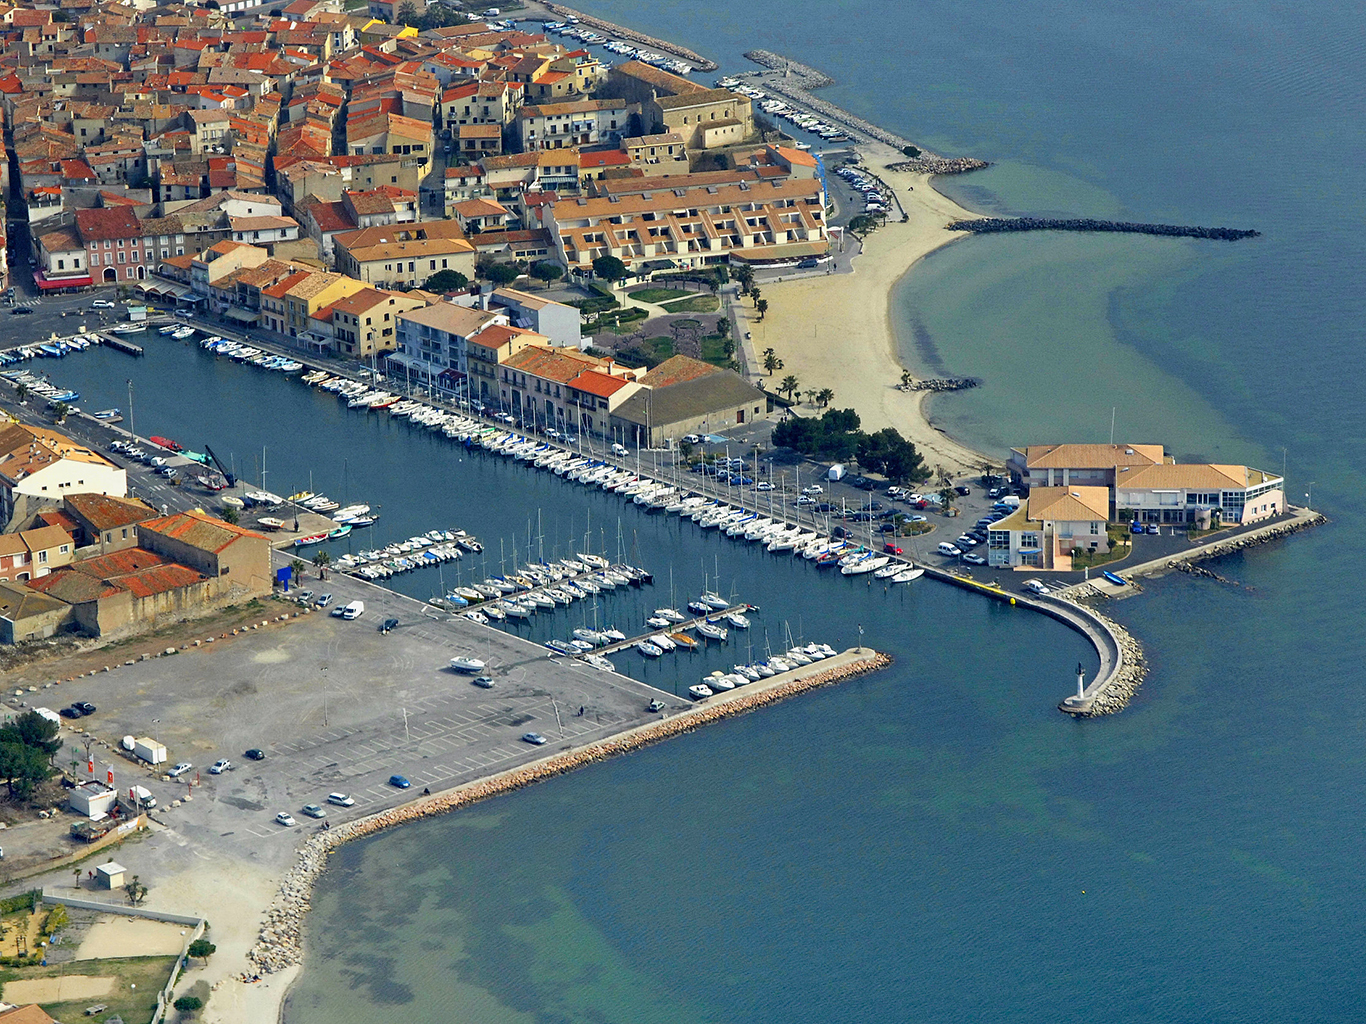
(791,385)
(761,305)
(771,361)
(320,562)
(755,293)
(59,411)
(745,277)
(906,378)
(21,392)
(296,570)
(824,397)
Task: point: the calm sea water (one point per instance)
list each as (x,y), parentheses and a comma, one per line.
(936,843)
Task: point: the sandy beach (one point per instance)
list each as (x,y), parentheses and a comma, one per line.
(836,332)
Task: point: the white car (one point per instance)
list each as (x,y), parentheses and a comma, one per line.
(220,766)
(1035,586)
(341,799)
(692,438)
(101,304)
(286,819)
(763,485)
(180,769)
(813,489)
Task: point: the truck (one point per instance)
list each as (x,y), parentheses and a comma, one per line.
(140,798)
(835,472)
(149,750)
(354,610)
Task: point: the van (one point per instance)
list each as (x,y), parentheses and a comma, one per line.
(947,549)
(620,450)
(354,610)
(1010,501)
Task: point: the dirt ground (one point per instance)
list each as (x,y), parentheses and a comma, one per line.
(126,936)
(56,990)
(26,925)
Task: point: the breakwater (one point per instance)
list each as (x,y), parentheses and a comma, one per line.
(692,57)
(807,76)
(1003,225)
(280,944)
(940,384)
(1111,693)
(928,163)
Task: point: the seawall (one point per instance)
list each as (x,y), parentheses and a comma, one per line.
(692,57)
(281,940)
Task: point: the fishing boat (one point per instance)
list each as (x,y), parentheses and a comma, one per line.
(128,328)
(270,523)
(467,665)
(109,416)
(313,538)
(649,650)
(339,532)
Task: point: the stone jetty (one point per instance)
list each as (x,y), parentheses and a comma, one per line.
(1004,225)
(1112,694)
(692,57)
(928,163)
(940,384)
(280,944)
(808,77)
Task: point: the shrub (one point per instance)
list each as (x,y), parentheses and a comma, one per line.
(189,1004)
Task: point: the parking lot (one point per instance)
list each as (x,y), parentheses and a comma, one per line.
(338,706)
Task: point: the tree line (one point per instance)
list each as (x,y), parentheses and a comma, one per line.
(836,436)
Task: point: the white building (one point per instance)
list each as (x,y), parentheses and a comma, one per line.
(1180,493)
(40,467)
(1049,526)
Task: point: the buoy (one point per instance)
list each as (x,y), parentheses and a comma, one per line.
(1012,600)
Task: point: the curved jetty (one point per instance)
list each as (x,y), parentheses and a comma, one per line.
(1000,225)
(809,77)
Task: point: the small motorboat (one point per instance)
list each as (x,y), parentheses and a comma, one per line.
(233,502)
(270,523)
(312,538)
(683,640)
(738,620)
(591,635)
(671,614)
(663,642)
(700,692)
(699,608)
(478,617)
(469,666)
(599,662)
(560,647)
(649,650)
(907,575)
(339,532)
(657,622)
(615,635)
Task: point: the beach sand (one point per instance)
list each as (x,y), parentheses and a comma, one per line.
(835,331)
(56,990)
(131,936)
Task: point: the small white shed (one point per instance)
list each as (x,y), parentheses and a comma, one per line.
(110,876)
(92,799)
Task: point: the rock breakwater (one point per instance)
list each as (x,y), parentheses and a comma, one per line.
(1113,695)
(807,76)
(280,944)
(940,384)
(1004,225)
(1276,532)
(691,56)
(928,163)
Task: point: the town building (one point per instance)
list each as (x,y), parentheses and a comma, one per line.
(433,343)
(39,467)
(682,396)
(1197,494)
(404,256)
(573,123)
(487,351)
(1060,465)
(1050,527)
(102,523)
(560,323)
(26,614)
(564,390)
(365,323)
(29,554)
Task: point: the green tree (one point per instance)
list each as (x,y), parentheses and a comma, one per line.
(21,392)
(193,1004)
(771,361)
(296,570)
(946,496)
(761,305)
(32,730)
(906,378)
(135,890)
(230,515)
(546,271)
(685,449)
(824,397)
(723,327)
(609,268)
(745,277)
(202,949)
(862,224)
(790,384)
(756,293)
(320,562)
(59,411)
(503,273)
(446,281)
(407,12)
(23,769)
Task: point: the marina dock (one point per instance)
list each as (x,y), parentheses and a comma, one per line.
(679,627)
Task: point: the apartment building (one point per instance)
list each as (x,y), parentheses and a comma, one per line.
(574,123)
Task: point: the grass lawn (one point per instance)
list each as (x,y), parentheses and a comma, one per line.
(714,352)
(694,304)
(1120,547)
(657,294)
(134,1005)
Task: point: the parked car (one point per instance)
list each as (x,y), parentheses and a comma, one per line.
(1154,529)
(891,549)
(341,799)
(974,559)
(324,600)
(180,769)
(255,754)
(1135,527)
(962,491)
(102,304)
(399,782)
(86,707)
(809,263)
(1035,586)
(484,682)
(692,438)
(286,819)
(535,739)
(388,624)
(763,485)
(220,766)
(314,811)
(20,311)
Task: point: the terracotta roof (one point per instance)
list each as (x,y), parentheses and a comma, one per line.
(1069,504)
(97,224)
(1192,476)
(676,370)
(199,530)
(1091,456)
(595,382)
(18,602)
(102,512)
(553,364)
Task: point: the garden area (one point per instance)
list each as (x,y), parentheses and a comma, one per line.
(641,344)
(126,987)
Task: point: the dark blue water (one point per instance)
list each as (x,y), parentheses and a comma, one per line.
(935,842)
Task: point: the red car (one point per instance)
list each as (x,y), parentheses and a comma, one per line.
(891,549)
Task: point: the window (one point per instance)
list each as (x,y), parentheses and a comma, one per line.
(61,264)
(42,557)
(1095,528)
(125,534)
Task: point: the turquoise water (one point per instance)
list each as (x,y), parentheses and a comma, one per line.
(935,842)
